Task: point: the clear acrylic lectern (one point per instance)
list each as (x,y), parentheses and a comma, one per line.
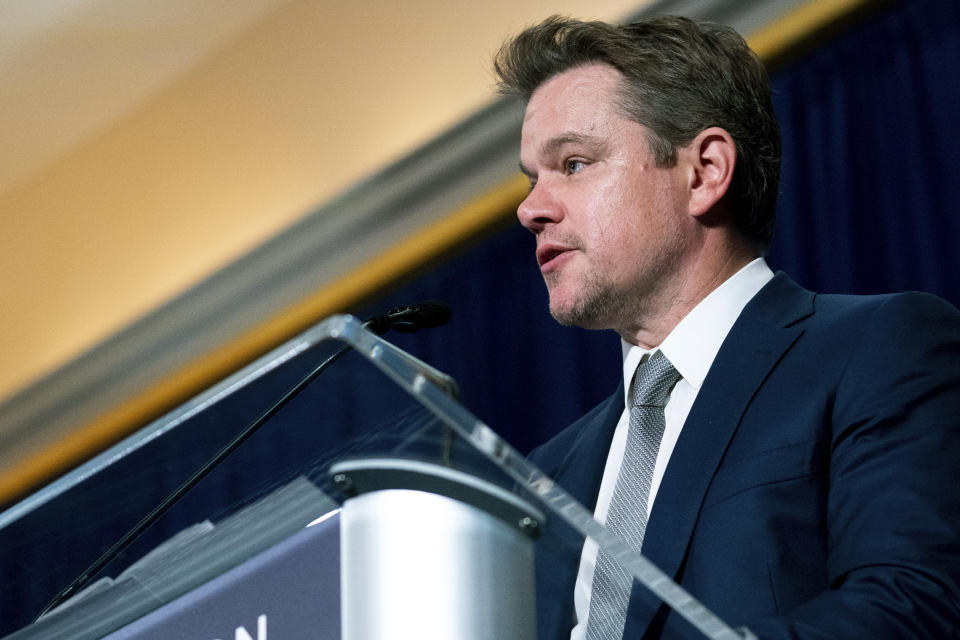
(440,519)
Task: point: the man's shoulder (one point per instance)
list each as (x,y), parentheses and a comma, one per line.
(859,344)
(896,316)
(907,302)
(909,306)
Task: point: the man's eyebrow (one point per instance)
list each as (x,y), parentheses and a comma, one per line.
(553,145)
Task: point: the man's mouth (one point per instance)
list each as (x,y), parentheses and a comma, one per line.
(549,253)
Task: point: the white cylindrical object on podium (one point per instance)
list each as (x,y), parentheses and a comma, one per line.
(417,564)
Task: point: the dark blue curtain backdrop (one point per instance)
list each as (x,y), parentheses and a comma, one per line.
(868,204)
(871,163)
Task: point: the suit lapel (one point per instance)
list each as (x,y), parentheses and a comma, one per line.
(761,335)
(581,468)
(579,471)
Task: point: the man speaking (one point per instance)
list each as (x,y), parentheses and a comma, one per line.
(790,458)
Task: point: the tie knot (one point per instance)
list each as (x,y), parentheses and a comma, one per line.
(653,381)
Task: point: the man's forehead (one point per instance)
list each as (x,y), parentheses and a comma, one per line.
(572,99)
(572,108)
(582,79)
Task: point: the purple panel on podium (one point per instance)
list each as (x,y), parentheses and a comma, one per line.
(291,591)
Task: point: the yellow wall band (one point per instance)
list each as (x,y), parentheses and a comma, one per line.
(775,40)
(413,252)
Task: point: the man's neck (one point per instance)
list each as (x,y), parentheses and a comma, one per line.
(705,275)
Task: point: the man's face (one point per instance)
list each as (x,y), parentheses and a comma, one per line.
(611,226)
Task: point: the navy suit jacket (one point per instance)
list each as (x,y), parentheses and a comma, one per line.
(815,488)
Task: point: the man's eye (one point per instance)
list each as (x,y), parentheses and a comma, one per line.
(573,166)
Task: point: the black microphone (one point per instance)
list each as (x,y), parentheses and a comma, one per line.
(408,319)
(411,318)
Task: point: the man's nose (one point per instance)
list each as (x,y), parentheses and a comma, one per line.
(539,209)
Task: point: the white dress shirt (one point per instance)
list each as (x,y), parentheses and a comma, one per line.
(691,347)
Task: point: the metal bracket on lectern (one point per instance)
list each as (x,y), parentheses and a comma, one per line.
(355,477)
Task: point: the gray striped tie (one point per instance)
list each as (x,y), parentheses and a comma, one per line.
(627,515)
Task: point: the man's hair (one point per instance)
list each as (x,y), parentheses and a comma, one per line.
(681,77)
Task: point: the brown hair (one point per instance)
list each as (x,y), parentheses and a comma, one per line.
(681,77)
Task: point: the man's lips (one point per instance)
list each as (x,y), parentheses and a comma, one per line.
(548,254)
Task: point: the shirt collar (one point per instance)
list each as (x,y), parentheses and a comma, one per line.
(693,344)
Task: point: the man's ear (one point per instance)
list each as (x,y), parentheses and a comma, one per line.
(709,160)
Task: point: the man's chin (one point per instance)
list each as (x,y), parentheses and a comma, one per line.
(576,316)
(594,311)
